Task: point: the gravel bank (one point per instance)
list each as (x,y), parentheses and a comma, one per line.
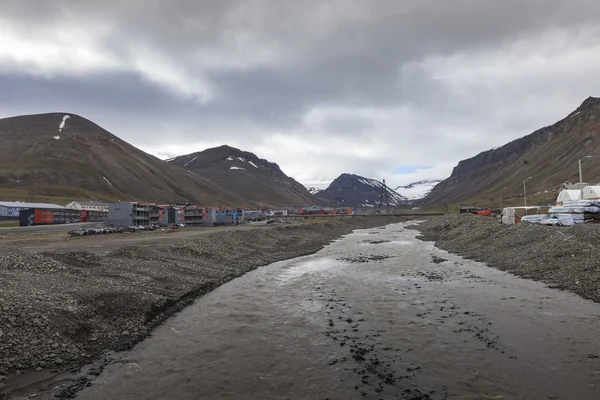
(63,309)
(567,258)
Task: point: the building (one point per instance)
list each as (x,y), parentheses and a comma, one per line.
(131,214)
(9,210)
(176,215)
(54,216)
(216,216)
(159,215)
(568,195)
(276,213)
(252,215)
(88,206)
(194,215)
(342,210)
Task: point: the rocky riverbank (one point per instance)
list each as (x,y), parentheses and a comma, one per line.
(566,258)
(60,310)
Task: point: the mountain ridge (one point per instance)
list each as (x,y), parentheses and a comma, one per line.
(62,156)
(261,182)
(350,190)
(549,155)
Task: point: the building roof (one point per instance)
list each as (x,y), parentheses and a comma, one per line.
(22,204)
(91,203)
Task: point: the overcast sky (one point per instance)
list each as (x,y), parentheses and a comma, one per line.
(392,89)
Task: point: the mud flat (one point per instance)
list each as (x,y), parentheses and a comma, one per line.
(59,310)
(566,258)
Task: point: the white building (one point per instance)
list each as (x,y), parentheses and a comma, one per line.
(567,195)
(591,193)
(11,209)
(276,213)
(88,206)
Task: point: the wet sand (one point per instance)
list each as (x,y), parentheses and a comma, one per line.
(395,318)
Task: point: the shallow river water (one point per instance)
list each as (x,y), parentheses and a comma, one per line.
(360,319)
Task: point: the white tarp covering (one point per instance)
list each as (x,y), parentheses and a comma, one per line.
(581,203)
(536,219)
(555,219)
(591,193)
(573,210)
(566,195)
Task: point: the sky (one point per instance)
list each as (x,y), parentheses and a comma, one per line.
(387,89)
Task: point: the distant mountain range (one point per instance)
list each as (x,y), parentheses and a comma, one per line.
(61,157)
(349,190)
(417,190)
(549,156)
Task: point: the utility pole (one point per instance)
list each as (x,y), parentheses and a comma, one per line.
(580,174)
(384,193)
(525,190)
(502,197)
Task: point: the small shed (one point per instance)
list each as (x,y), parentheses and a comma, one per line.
(591,193)
(566,195)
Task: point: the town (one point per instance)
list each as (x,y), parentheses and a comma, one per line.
(129,214)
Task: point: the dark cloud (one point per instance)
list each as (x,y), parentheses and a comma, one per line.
(321,87)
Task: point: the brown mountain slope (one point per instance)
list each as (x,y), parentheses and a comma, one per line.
(85,161)
(549,155)
(259,181)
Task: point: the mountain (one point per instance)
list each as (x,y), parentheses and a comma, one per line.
(356,191)
(62,157)
(417,190)
(258,181)
(549,156)
(314,190)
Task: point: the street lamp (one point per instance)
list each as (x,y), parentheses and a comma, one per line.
(580,174)
(525,190)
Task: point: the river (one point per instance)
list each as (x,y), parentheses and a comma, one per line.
(378,314)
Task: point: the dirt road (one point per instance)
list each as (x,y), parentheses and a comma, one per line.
(55,239)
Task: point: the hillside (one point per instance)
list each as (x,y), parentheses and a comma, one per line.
(356,191)
(549,155)
(63,157)
(258,181)
(417,190)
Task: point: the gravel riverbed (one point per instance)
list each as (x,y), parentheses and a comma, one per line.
(60,310)
(566,258)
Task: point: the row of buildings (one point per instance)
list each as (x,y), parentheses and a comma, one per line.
(11,209)
(135,214)
(125,214)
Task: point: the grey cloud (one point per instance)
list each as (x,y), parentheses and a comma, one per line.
(272,62)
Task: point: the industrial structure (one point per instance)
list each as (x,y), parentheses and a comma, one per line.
(9,210)
(54,216)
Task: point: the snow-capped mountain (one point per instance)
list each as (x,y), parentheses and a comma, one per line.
(314,190)
(357,191)
(417,190)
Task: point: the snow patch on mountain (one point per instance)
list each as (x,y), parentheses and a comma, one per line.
(417,190)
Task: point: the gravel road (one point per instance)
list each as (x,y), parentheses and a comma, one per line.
(62,309)
(565,257)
